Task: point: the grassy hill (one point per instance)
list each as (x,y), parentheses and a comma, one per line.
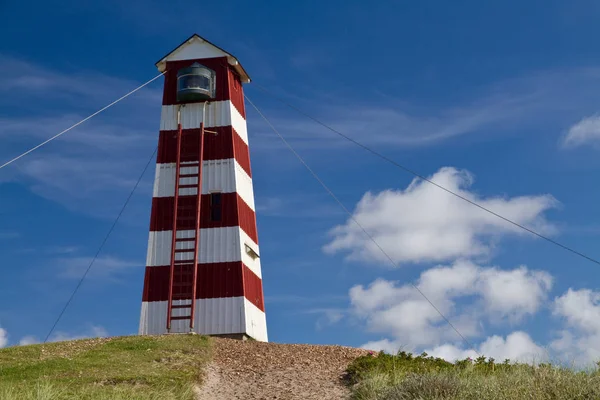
(169,367)
(120,368)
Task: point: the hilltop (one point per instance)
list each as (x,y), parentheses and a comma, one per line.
(196,367)
(173,367)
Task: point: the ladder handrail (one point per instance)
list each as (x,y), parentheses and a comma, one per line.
(198,216)
(174,231)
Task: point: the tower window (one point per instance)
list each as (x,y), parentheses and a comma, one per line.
(215,207)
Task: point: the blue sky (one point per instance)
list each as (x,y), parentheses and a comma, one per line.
(498,100)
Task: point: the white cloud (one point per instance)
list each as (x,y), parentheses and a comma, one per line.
(579,341)
(517,347)
(27,340)
(465,293)
(59,336)
(384,345)
(425,224)
(514,293)
(586,131)
(3,338)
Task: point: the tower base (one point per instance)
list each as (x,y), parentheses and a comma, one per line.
(235,336)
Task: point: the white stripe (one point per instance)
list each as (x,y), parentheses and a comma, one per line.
(228,315)
(226,176)
(256,322)
(218,113)
(216,245)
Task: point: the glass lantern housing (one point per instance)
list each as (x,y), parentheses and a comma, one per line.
(195,83)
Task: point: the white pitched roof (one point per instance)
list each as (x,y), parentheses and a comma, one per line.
(198,47)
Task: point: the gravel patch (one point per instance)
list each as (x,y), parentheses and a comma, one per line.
(257,370)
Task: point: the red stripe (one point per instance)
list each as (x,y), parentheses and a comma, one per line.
(234,212)
(225,144)
(217,280)
(253,289)
(236,92)
(225,89)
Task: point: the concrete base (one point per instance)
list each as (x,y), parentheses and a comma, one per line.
(236,336)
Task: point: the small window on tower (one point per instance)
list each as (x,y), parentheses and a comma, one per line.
(215,207)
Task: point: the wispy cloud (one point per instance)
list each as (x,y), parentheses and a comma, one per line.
(6,235)
(543,100)
(60,336)
(586,131)
(3,338)
(298,206)
(304,300)
(91,168)
(327,316)
(107,267)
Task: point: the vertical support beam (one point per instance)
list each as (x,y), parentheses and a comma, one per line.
(174,232)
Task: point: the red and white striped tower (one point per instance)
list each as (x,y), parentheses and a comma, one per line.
(207,277)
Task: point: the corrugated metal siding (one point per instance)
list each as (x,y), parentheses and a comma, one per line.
(213,281)
(220,245)
(218,114)
(256,322)
(239,124)
(225,144)
(247,219)
(241,153)
(251,263)
(235,212)
(164,181)
(220,280)
(236,92)
(226,176)
(253,289)
(218,175)
(220,316)
(217,245)
(213,317)
(159,248)
(244,186)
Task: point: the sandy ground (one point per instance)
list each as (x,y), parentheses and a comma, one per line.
(256,370)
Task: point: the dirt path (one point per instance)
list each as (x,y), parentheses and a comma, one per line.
(254,370)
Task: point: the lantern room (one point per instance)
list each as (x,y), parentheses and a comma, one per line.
(195,83)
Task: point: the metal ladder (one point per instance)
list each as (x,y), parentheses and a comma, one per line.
(184,264)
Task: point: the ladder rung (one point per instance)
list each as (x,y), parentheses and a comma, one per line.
(179,318)
(184,250)
(189,175)
(191,186)
(187,283)
(186,240)
(185,296)
(182,306)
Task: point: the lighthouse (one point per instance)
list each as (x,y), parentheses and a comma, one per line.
(203,271)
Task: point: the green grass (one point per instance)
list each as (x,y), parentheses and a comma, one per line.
(406,377)
(122,368)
